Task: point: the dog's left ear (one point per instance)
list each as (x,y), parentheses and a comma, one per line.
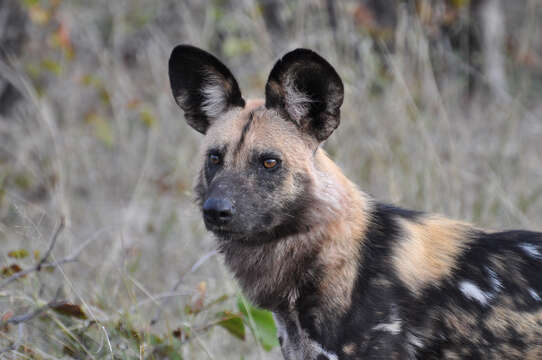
(202,86)
(307,90)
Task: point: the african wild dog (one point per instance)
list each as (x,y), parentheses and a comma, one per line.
(346,277)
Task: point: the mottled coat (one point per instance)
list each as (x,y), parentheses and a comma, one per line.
(345,276)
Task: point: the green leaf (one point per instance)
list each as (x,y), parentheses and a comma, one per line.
(23,181)
(102,129)
(147,118)
(155,339)
(460,3)
(18,254)
(265,329)
(104,95)
(218,300)
(233,323)
(236,47)
(30,2)
(165,351)
(173,354)
(52,66)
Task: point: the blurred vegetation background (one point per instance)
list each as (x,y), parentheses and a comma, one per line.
(442,113)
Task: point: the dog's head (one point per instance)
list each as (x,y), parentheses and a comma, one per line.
(258,156)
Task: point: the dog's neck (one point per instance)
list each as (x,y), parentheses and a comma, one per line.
(324,259)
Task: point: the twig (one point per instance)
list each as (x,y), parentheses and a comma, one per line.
(22,273)
(194,267)
(52,243)
(73,257)
(41,264)
(21,319)
(17,342)
(29,316)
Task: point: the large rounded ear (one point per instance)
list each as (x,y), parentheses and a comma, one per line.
(202,86)
(306,89)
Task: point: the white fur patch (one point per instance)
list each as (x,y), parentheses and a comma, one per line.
(496,283)
(214,95)
(214,102)
(395,324)
(534,294)
(470,290)
(296,103)
(393,327)
(319,350)
(414,340)
(531,250)
(414,345)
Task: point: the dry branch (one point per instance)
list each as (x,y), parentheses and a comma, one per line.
(29,316)
(23,318)
(52,243)
(42,264)
(17,342)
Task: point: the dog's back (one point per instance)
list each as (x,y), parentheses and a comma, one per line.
(418,296)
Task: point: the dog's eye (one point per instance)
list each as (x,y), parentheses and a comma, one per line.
(214,159)
(270,163)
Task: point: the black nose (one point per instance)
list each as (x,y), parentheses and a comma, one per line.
(218,211)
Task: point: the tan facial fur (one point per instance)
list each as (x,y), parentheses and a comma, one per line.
(267,131)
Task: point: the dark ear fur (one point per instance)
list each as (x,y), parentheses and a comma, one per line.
(202,86)
(307,89)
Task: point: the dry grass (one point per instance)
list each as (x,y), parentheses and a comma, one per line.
(97,139)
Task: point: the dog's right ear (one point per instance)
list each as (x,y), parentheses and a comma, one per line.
(307,90)
(202,86)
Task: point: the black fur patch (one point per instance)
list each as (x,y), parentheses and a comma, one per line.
(244,132)
(293,215)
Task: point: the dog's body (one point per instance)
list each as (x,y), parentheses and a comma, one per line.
(345,276)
